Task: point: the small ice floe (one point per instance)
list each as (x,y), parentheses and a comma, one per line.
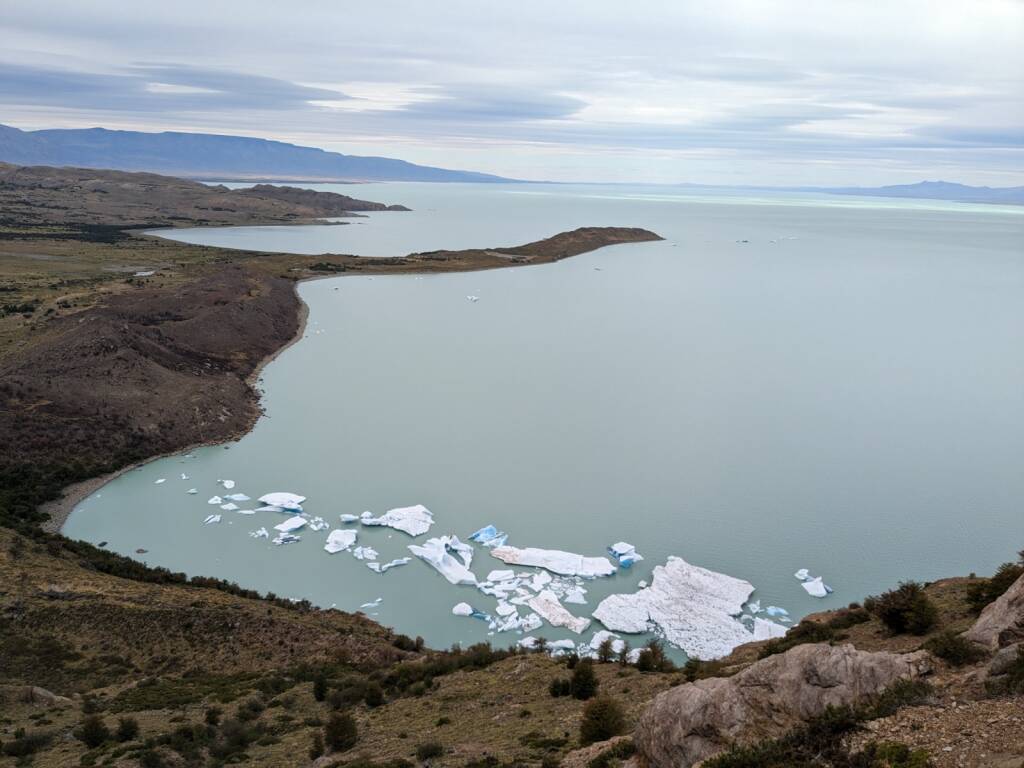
(210,519)
(269,508)
(560,647)
(767,630)
(373,603)
(438,552)
(237,497)
(489,536)
(540,580)
(548,606)
(229,507)
(318,524)
(286,538)
(184,476)
(260,533)
(501,575)
(414,520)
(774,610)
(693,608)
(642,584)
(284,500)
(576,595)
(803,574)
(816,587)
(215,500)
(504,609)
(625,554)
(161,480)
(229,484)
(473,299)
(349,518)
(385,567)
(556,561)
(340,540)
(192,491)
(462,609)
(365,553)
(754,606)
(245,511)
(291,524)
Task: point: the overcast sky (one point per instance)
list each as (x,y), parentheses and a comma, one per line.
(723,91)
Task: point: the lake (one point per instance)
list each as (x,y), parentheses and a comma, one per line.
(788,380)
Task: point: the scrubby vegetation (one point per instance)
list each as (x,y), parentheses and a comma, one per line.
(953,648)
(603,718)
(987,591)
(904,610)
(807,631)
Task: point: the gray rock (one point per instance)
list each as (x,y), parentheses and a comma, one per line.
(1002,621)
(37,695)
(693,722)
(1004,659)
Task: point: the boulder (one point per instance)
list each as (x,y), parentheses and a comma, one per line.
(37,695)
(1002,621)
(1004,659)
(693,722)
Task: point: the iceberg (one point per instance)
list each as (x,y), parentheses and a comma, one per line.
(340,540)
(766,630)
(184,476)
(437,552)
(557,647)
(413,520)
(816,587)
(269,508)
(489,536)
(215,500)
(754,606)
(462,609)
(546,604)
(540,580)
(261,533)
(318,524)
(382,568)
(500,575)
(530,622)
(229,507)
(229,484)
(556,561)
(504,609)
(625,554)
(372,603)
(286,538)
(803,574)
(192,491)
(211,519)
(237,497)
(692,607)
(283,499)
(349,518)
(291,524)
(245,511)
(600,636)
(774,610)
(365,553)
(576,595)
(161,480)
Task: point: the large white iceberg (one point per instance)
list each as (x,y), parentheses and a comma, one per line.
(340,540)
(438,552)
(283,499)
(291,524)
(693,608)
(556,561)
(547,605)
(413,520)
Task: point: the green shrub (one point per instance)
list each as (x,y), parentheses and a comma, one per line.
(953,648)
(316,746)
(429,751)
(340,732)
(906,609)
(584,682)
(92,731)
(127,728)
(25,744)
(602,718)
(902,693)
(695,669)
(560,687)
(212,716)
(373,695)
(320,687)
(653,658)
(988,590)
(606,650)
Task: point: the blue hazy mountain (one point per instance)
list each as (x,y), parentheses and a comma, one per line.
(209,156)
(938,190)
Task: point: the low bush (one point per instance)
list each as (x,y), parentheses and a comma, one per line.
(429,751)
(127,728)
(953,648)
(92,731)
(904,610)
(987,591)
(25,744)
(583,684)
(560,687)
(603,718)
(340,733)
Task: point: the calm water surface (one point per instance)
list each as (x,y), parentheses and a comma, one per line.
(787,381)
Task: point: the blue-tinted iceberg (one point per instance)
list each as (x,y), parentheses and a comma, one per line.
(625,554)
(489,536)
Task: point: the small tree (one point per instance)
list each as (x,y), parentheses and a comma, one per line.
(624,653)
(584,681)
(906,609)
(374,694)
(316,747)
(606,650)
(603,718)
(127,728)
(93,731)
(320,688)
(340,732)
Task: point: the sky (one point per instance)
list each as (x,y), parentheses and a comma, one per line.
(762,92)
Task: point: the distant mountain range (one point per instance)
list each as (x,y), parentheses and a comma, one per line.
(937,190)
(210,156)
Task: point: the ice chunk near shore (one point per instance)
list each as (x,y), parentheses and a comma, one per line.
(489,536)
(383,568)
(754,606)
(229,484)
(210,519)
(340,540)
(349,518)
(437,552)
(546,604)
(601,635)
(556,561)
(816,587)
(260,533)
(774,610)
(161,480)
(767,630)
(283,499)
(625,554)
(215,500)
(414,520)
(291,524)
(558,647)
(692,607)
(365,553)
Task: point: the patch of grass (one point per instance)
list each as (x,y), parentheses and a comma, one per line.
(178,692)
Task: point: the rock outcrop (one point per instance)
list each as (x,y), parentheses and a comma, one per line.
(1002,621)
(692,722)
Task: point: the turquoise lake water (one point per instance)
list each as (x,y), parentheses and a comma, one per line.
(787,381)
